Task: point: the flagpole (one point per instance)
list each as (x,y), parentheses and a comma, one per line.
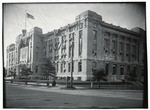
(25,19)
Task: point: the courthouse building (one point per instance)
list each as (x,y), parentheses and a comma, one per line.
(87,44)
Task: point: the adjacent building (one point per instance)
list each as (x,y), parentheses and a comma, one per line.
(10,58)
(87,44)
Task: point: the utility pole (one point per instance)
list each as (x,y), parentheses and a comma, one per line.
(72,62)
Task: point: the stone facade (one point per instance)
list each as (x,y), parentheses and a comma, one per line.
(95,43)
(27,50)
(10,61)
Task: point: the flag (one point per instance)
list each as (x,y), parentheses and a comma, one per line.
(30,16)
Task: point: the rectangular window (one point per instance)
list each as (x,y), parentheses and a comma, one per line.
(133,52)
(121,48)
(70,47)
(64,66)
(114,69)
(94,52)
(127,49)
(114,46)
(128,52)
(71,29)
(63,39)
(72,35)
(106,45)
(61,67)
(69,36)
(80,25)
(95,34)
(128,70)
(80,42)
(71,41)
(79,66)
(121,70)
(36,69)
(134,70)
(68,67)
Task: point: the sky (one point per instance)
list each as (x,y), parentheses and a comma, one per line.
(53,16)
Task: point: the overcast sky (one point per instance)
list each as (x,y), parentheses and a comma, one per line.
(53,16)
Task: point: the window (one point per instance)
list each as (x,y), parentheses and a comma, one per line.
(128,52)
(61,67)
(79,66)
(36,69)
(114,46)
(73,35)
(80,25)
(134,70)
(127,49)
(114,69)
(64,66)
(79,78)
(95,34)
(80,42)
(69,36)
(63,48)
(50,46)
(133,52)
(68,67)
(121,70)
(128,70)
(121,48)
(106,45)
(63,39)
(71,29)
(70,46)
(94,50)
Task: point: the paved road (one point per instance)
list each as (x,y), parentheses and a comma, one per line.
(22,96)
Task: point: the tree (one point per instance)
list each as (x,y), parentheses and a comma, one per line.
(12,73)
(48,69)
(131,76)
(99,75)
(25,71)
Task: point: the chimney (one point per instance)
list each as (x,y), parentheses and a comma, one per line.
(24,32)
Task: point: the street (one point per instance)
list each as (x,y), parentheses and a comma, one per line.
(27,96)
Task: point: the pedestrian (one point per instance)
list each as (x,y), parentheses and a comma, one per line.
(54,83)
